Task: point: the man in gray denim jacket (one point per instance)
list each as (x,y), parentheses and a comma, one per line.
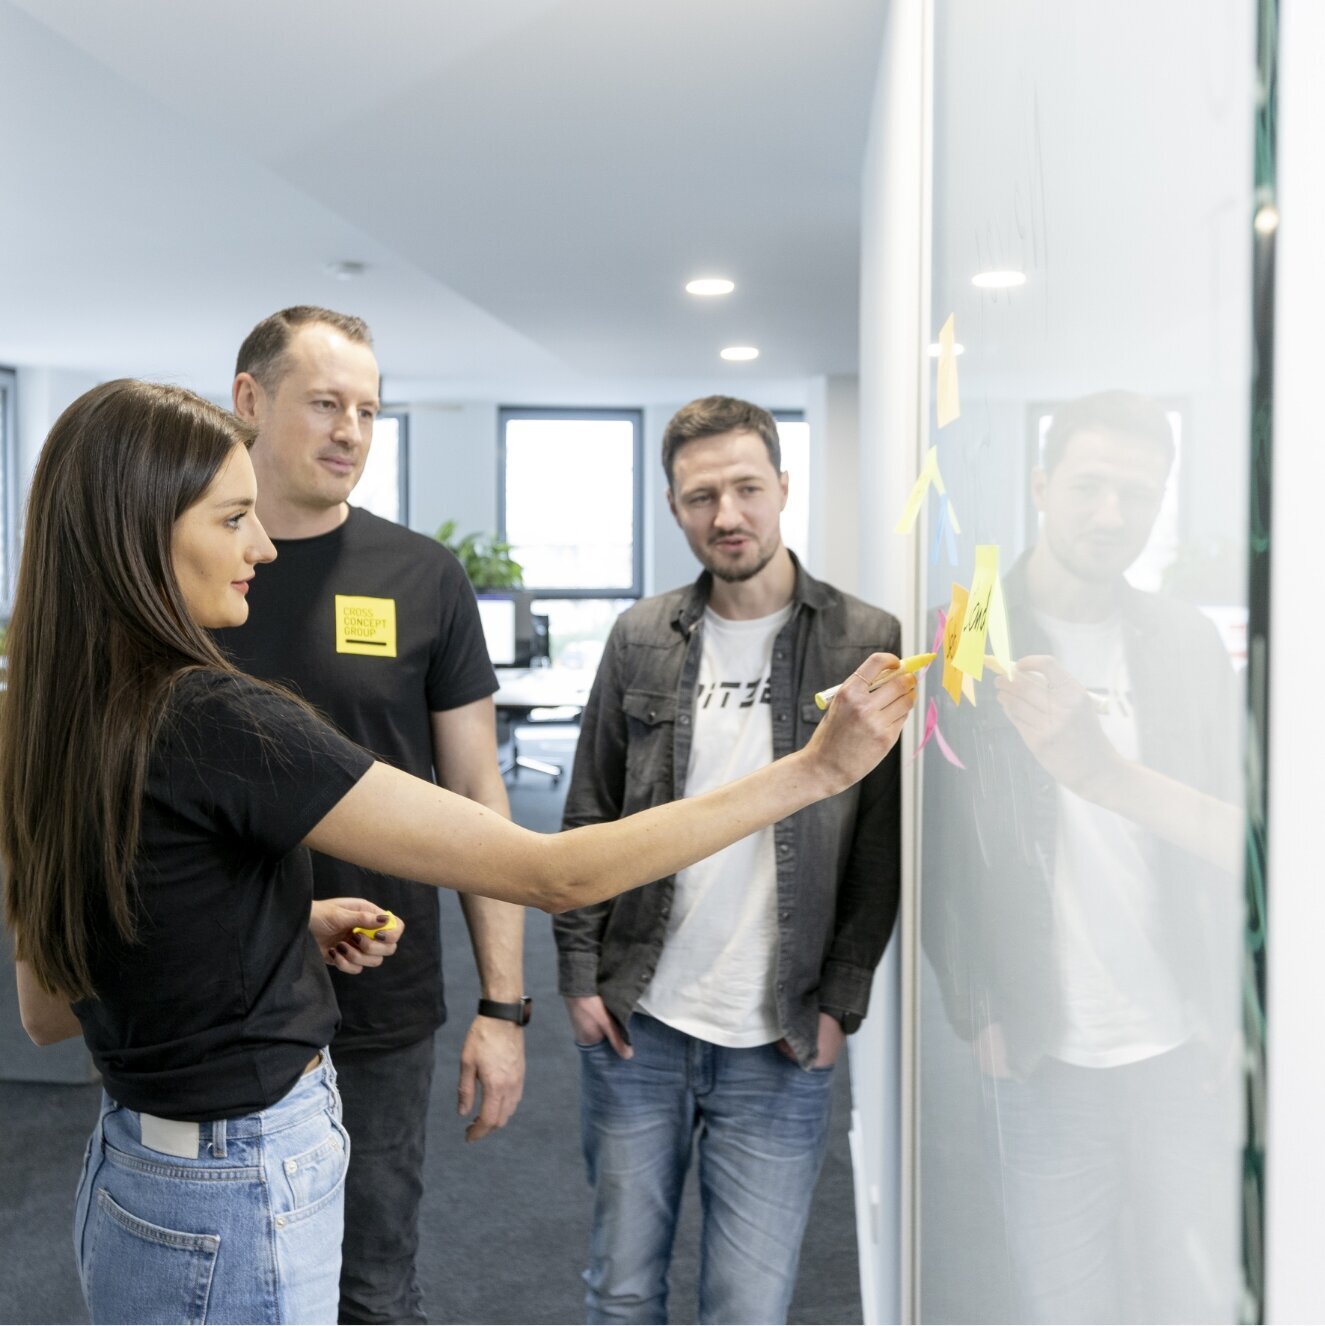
(713,1004)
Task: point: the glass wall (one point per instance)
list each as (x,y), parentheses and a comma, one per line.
(1079,1055)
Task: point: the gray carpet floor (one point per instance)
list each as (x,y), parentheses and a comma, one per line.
(504,1222)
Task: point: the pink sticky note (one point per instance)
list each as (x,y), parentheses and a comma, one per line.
(937,646)
(932,730)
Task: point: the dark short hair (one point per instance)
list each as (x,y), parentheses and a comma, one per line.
(263,351)
(718,414)
(1115,411)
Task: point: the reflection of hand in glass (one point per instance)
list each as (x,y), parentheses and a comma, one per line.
(990,1048)
(1058,720)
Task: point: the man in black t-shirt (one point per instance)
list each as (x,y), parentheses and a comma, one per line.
(378,627)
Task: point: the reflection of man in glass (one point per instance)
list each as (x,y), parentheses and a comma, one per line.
(1079,902)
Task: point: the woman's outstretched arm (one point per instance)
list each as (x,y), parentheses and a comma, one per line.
(392,822)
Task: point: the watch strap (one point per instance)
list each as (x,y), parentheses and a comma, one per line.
(519,1013)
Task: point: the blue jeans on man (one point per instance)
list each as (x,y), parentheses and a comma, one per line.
(760,1125)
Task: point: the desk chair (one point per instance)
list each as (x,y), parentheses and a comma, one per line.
(544,716)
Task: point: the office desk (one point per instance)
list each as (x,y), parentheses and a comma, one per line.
(542,688)
(537,693)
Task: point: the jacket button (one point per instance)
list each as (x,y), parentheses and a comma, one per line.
(685,720)
(783,916)
(782,718)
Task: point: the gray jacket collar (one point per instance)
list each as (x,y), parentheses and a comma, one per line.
(812,593)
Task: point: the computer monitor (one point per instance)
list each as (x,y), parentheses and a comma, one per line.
(497,614)
(509,628)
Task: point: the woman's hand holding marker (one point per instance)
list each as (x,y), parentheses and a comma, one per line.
(865,722)
(916,663)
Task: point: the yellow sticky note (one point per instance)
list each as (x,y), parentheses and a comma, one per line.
(365,626)
(949,406)
(970,657)
(907,521)
(952,678)
(968,689)
(935,476)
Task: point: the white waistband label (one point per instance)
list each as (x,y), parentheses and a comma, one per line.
(169,1136)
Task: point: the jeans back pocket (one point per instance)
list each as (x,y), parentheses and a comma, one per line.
(141,1272)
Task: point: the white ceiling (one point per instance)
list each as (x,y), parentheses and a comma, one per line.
(530,183)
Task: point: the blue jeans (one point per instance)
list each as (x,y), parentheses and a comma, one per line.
(1120,1189)
(248,1230)
(762,1128)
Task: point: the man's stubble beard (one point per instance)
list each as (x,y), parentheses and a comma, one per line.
(735,576)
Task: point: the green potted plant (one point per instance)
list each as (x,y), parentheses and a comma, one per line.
(487,560)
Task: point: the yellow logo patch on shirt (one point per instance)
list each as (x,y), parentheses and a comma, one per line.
(365,626)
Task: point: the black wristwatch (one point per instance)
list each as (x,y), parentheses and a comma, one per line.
(518,1013)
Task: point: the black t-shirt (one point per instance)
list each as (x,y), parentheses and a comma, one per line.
(378,627)
(223,997)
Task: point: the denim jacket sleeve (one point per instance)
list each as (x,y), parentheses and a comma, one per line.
(870,885)
(597,792)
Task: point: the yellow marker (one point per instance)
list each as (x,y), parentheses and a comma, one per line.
(375,931)
(916,663)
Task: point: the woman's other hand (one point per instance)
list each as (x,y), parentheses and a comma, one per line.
(333,921)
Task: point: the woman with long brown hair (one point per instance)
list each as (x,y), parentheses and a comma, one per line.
(157,807)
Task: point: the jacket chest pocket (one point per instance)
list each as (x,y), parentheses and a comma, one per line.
(650,731)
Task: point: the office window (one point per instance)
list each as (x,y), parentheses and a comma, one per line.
(794,437)
(8,495)
(570,501)
(383,488)
(578,629)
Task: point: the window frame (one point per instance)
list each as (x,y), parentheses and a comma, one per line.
(633,415)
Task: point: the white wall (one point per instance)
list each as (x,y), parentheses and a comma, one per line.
(453,467)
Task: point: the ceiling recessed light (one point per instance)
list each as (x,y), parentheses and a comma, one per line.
(935,349)
(710,285)
(346,269)
(740,352)
(1005,280)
